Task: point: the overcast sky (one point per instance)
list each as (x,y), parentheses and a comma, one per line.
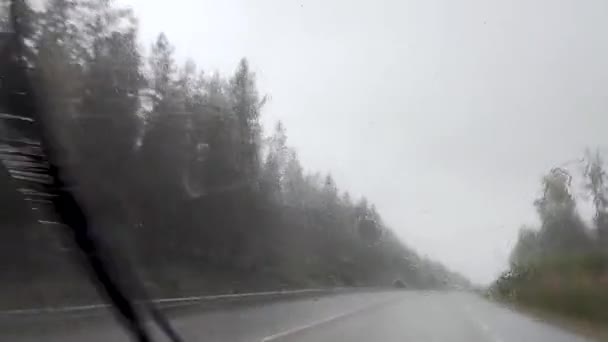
(444,113)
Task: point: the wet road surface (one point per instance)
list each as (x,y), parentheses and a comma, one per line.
(417,316)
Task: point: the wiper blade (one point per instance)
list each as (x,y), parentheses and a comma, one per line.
(29,156)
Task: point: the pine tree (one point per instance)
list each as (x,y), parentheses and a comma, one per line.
(562,230)
(596,185)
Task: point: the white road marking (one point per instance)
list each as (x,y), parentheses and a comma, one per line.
(483,327)
(487,331)
(319,322)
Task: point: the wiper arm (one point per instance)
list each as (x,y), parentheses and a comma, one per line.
(32,160)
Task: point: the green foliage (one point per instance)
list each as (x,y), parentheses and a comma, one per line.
(173,169)
(563,266)
(572,285)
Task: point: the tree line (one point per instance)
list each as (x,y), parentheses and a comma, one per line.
(562,231)
(174,169)
(562,264)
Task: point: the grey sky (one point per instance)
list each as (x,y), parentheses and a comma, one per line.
(445,113)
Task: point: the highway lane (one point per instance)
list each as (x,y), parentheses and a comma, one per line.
(432,317)
(416,316)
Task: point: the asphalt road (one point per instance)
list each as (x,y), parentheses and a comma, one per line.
(417,316)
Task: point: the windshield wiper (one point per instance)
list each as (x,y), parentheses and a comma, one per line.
(28,152)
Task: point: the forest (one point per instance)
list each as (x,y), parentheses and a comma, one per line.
(179,178)
(561,266)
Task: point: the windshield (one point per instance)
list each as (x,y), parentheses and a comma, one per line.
(303,170)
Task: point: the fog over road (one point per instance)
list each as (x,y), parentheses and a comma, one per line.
(416,316)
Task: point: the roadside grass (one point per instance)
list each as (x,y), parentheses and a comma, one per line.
(590,329)
(571,291)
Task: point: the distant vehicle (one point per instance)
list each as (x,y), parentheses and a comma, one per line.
(400,284)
